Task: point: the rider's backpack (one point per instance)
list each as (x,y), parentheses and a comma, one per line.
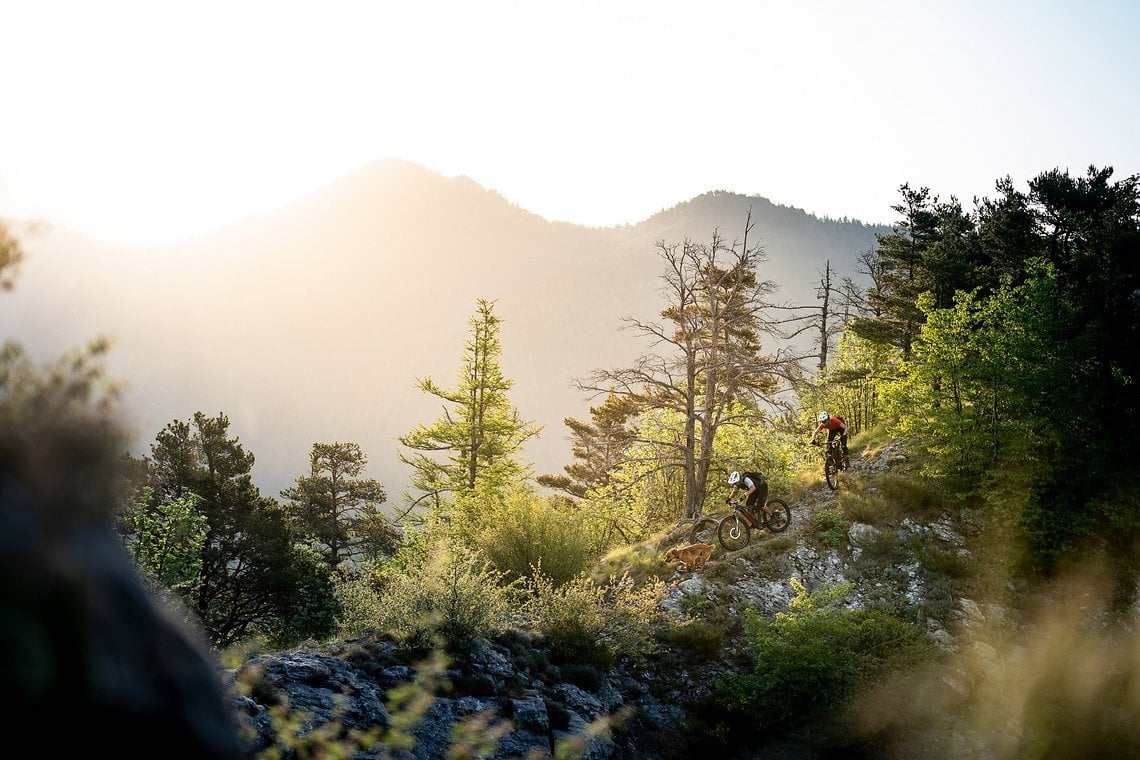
(755,477)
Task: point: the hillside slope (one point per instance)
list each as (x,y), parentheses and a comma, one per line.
(651,709)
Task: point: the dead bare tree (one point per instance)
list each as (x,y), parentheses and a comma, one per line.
(704,356)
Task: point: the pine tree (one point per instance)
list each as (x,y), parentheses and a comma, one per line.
(332,504)
(598,446)
(250,578)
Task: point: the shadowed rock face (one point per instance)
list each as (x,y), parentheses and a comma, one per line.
(90,660)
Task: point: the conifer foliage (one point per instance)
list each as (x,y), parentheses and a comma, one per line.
(478,440)
(336,508)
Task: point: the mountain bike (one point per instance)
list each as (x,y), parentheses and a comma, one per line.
(735,530)
(833,462)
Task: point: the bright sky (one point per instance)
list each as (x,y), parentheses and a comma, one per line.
(144,121)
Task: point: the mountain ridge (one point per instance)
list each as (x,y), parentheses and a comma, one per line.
(313,322)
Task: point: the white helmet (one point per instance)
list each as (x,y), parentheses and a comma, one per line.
(823,417)
(734,478)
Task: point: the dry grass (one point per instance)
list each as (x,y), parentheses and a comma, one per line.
(1060,683)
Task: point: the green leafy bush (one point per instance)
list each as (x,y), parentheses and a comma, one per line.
(696,639)
(313,608)
(869,506)
(830,527)
(810,661)
(591,623)
(525,530)
(639,561)
(914,495)
(695,605)
(883,545)
(724,573)
(165,539)
(454,593)
(361,601)
(940,559)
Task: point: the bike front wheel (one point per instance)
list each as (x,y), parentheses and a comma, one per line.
(734,532)
(704,530)
(781,516)
(831,473)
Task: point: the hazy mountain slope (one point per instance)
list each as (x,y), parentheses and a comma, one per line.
(313,323)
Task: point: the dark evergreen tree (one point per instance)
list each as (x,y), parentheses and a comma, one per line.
(1090,231)
(901,260)
(1008,235)
(953,261)
(247,583)
(332,504)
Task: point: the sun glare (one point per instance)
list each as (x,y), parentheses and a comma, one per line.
(146,122)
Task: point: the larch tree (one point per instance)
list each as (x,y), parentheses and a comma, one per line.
(333,505)
(478,440)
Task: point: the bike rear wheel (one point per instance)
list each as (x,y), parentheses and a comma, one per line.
(734,532)
(781,516)
(704,530)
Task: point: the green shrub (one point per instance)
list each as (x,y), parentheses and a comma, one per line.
(453,593)
(574,642)
(912,495)
(884,544)
(939,598)
(639,561)
(763,555)
(695,605)
(585,675)
(313,609)
(696,638)
(780,544)
(870,506)
(830,527)
(589,622)
(940,559)
(810,661)
(526,530)
(361,602)
(725,573)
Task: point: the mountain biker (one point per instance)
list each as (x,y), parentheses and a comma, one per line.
(756,487)
(835,426)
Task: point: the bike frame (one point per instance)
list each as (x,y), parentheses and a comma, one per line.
(752,520)
(835,450)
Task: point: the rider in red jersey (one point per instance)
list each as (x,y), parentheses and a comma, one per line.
(835,426)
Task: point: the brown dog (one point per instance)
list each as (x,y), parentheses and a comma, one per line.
(694,555)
